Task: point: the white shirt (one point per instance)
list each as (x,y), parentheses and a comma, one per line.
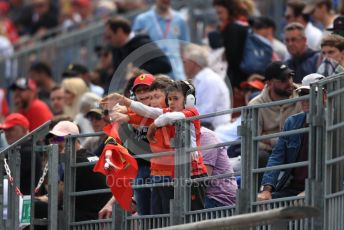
(212,95)
(314,36)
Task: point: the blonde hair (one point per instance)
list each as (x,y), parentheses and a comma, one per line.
(77,87)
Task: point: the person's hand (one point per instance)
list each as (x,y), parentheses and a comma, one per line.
(111,100)
(265,195)
(151,133)
(301,194)
(106,211)
(120,109)
(43,198)
(108,163)
(119,117)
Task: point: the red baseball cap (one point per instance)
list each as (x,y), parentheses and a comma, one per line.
(15,119)
(257,84)
(143,79)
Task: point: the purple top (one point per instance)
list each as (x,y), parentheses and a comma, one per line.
(221,190)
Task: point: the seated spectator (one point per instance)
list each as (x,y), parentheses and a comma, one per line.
(332,47)
(280,86)
(290,149)
(206,81)
(220,192)
(16,126)
(86,207)
(294,13)
(57,100)
(80,71)
(303,60)
(26,103)
(41,74)
(37,18)
(104,69)
(338,26)
(7,27)
(88,101)
(99,120)
(73,88)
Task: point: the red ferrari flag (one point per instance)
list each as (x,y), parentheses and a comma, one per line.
(120,168)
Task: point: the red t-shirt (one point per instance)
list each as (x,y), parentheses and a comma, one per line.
(38,113)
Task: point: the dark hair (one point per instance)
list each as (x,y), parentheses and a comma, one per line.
(41,67)
(119,22)
(297,7)
(232,6)
(161,82)
(180,86)
(262,22)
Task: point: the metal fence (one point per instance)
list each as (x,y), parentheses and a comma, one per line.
(12,153)
(324,186)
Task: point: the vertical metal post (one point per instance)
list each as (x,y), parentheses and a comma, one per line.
(33,181)
(243,195)
(118,217)
(13,199)
(2,223)
(180,202)
(53,186)
(69,182)
(316,155)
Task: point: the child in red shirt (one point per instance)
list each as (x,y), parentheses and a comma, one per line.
(180,98)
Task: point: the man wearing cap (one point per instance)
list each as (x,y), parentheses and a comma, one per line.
(16,126)
(26,103)
(290,149)
(338,26)
(280,86)
(78,70)
(99,120)
(86,207)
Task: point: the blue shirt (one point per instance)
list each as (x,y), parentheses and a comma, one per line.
(168,33)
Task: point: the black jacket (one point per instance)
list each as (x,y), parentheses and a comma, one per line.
(141,52)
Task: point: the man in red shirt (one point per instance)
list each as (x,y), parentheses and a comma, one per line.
(26,103)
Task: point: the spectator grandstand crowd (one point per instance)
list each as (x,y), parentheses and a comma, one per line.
(241,61)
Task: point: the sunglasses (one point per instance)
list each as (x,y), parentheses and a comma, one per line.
(56,139)
(303,92)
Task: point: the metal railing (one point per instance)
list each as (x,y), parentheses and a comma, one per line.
(12,152)
(278,219)
(323,190)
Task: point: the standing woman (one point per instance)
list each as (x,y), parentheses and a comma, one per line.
(234,32)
